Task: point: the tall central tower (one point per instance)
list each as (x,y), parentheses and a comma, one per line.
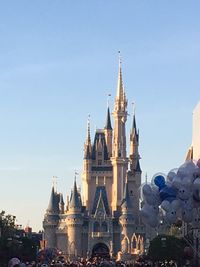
(119,159)
(104,219)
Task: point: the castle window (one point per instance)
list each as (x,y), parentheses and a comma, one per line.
(100,154)
(131,192)
(134,242)
(104,227)
(96,227)
(99,162)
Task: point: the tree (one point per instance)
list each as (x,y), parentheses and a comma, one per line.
(165,247)
(14,242)
(7,230)
(7,225)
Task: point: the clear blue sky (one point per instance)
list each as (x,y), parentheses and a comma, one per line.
(58,61)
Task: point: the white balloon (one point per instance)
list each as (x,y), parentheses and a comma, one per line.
(187,215)
(149,215)
(171,176)
(196,218)
(186,169)
(187,210)
(150,194)
(170,209)
(196,183)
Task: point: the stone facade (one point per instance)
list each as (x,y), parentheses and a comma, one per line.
(104,220)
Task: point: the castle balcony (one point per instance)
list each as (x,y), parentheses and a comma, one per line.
(100,234)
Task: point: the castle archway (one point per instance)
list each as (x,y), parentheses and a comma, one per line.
(101,250)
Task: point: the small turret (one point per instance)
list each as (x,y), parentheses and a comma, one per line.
(126,202)
(87,149)
(108,125)
(75,203)
(53,207)
(74,223)
(127,219)
(108,133)
(51,219)
(138,168)
(134,144)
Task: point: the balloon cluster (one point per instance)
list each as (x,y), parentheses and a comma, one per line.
(172,197)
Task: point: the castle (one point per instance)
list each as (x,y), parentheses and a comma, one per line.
(104,220)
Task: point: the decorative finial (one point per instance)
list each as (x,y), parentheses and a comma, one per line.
(146,178)
(88,127)
(54,181)
(75,174)
(133,106)
(108,100)
(120,91)
(120,58)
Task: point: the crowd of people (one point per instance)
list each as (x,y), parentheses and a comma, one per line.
(93,262)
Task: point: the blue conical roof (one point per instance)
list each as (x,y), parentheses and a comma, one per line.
(134,131)
(126,202)
(138,169)
(108,125)
(53,202)
(75,198)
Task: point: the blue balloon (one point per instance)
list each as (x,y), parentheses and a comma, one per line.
(159,180)
(168,193)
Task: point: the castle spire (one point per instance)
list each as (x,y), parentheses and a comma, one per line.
(108,121)
(88,140)
(134,145)
(53,203)
(87,150)
(134,132)
(119,158)
(120,90)
(126,203)
(75,199)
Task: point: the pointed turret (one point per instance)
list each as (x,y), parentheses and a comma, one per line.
(134,173)
(120,90)
(51,219)
(119,156)
(74,222)
(108,121)
(126,202)
(108,133)
(53,203)
(138,168)
(87,150)
(127,219)
(120,100)
(134,133)
(75,199)
(134,144)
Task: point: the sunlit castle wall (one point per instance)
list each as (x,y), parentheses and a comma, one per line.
(196,132)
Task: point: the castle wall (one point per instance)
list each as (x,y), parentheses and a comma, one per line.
(62,242)
(50,236)
(74,240)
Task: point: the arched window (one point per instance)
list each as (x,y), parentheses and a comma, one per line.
(140,244)
(134,242)
(104,227)
(96,227)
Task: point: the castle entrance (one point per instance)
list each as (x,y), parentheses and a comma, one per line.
(101,250)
